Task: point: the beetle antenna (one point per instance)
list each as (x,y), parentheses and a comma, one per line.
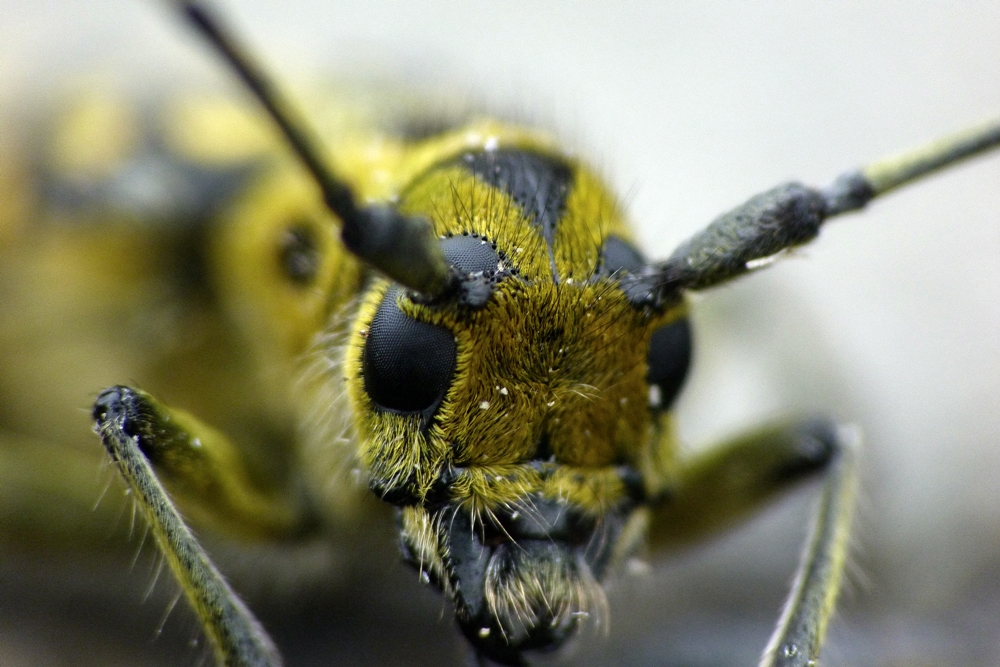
(402,247)
(789,215)
(890,173)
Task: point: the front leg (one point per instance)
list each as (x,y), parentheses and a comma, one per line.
(204,472)
(727,483)
(137,431)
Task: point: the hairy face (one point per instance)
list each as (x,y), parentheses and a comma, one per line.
(520,436)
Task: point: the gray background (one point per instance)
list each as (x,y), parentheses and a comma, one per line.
(889,321)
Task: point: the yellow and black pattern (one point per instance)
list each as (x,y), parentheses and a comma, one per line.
(507,388)
(532,428)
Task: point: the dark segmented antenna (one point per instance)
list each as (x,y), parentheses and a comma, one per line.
(790,215)
(402,247)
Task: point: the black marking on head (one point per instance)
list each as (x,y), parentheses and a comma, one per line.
(538,184)
(299,254)
(407,364)
(622,261)
(619,256)
(667,362)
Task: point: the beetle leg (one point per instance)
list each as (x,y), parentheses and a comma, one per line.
(726,483)
(202,469)
(136,431)
(799,635)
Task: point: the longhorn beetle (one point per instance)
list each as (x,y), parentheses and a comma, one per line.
(517,506)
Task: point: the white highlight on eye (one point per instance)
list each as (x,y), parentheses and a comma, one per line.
(492,143)
(655,396)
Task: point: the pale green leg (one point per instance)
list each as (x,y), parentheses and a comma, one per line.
(797,640)
(729,482)
(135,430)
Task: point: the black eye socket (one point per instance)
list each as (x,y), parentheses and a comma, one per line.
(408,365)
(619,256)
(623,262)
(667,362)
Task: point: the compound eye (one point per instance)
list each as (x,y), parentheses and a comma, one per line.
(667,362)
(407,364)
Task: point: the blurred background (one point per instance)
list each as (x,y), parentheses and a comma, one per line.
(889,321)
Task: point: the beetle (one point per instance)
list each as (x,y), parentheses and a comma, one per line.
(863,153)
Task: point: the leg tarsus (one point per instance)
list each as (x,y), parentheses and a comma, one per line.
(237,637)
(206,473)
(799,636)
